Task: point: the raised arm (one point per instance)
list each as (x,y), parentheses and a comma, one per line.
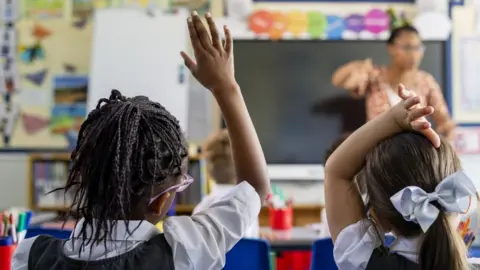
(214,70)
(343,202)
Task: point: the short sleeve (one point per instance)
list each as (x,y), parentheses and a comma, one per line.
(355,244)
(202,240)
(22,253)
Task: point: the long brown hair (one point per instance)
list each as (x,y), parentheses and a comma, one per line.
(409,159)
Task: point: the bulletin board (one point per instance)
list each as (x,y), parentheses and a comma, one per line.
(44,99)
(53,61)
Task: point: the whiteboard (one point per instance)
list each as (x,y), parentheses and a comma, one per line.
(139,54)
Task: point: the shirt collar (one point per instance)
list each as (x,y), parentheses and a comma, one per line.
(407,247)
(139,230)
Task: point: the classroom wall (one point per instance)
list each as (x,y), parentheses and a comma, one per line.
(13,185)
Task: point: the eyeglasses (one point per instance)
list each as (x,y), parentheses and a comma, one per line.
(186,181)
(411,48)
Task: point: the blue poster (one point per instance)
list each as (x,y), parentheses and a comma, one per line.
(335,27)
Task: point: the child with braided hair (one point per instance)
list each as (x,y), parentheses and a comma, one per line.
(130,160)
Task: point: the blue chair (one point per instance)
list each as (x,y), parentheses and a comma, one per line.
(57,233)
(251,254)
(322,255)
(474,252)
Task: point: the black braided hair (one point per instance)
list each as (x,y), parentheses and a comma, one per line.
(125,147)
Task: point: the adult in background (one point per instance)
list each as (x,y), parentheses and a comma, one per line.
(378,84)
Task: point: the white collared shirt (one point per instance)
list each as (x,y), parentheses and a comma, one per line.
(217,193)
(198,242)
(355,244)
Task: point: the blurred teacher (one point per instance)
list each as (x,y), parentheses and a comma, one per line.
(379,84)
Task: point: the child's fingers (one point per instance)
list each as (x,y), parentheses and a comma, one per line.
(214,32)
(420,125)
(202,32)
(411,102)
(228,40)
(196,44)
(189,63)
(417,113)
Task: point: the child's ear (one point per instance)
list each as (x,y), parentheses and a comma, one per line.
(159,203)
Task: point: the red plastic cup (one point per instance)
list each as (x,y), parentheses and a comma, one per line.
(281,219)
(6,254)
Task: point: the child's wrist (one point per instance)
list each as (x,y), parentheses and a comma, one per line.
(226,91)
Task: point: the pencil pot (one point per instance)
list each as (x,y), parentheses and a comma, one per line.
(281,219)
(6,254)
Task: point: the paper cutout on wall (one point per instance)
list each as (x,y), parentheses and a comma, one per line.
(317,24)
(260,22)
(40,32)
(279,26)
(376,21)
(32,53)
(34,123)
(335,27)
(69,68)
(354,23)
(38,77)
(298,22)
(80,23)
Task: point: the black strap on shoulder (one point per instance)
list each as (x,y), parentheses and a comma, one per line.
(381,261)
(44,245)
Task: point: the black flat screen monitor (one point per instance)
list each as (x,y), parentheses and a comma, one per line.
(287,88)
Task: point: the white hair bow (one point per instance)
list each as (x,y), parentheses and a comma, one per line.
(453,194)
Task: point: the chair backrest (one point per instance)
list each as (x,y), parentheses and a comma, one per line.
(251,254)
(57,233)
(322,255)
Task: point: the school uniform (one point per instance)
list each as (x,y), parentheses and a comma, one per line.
(218,192)
(192,242)
(360,246)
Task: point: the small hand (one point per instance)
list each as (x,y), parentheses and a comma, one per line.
(214,66)
(410,115)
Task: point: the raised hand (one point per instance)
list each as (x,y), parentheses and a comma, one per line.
(410,115)
(214,61)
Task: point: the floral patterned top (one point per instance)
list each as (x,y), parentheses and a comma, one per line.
(423,84)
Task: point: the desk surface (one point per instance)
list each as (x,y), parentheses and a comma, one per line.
(298,238)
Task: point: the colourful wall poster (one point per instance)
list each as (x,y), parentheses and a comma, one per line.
(70,104)
(43,9)
(315,24)
(43,113)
